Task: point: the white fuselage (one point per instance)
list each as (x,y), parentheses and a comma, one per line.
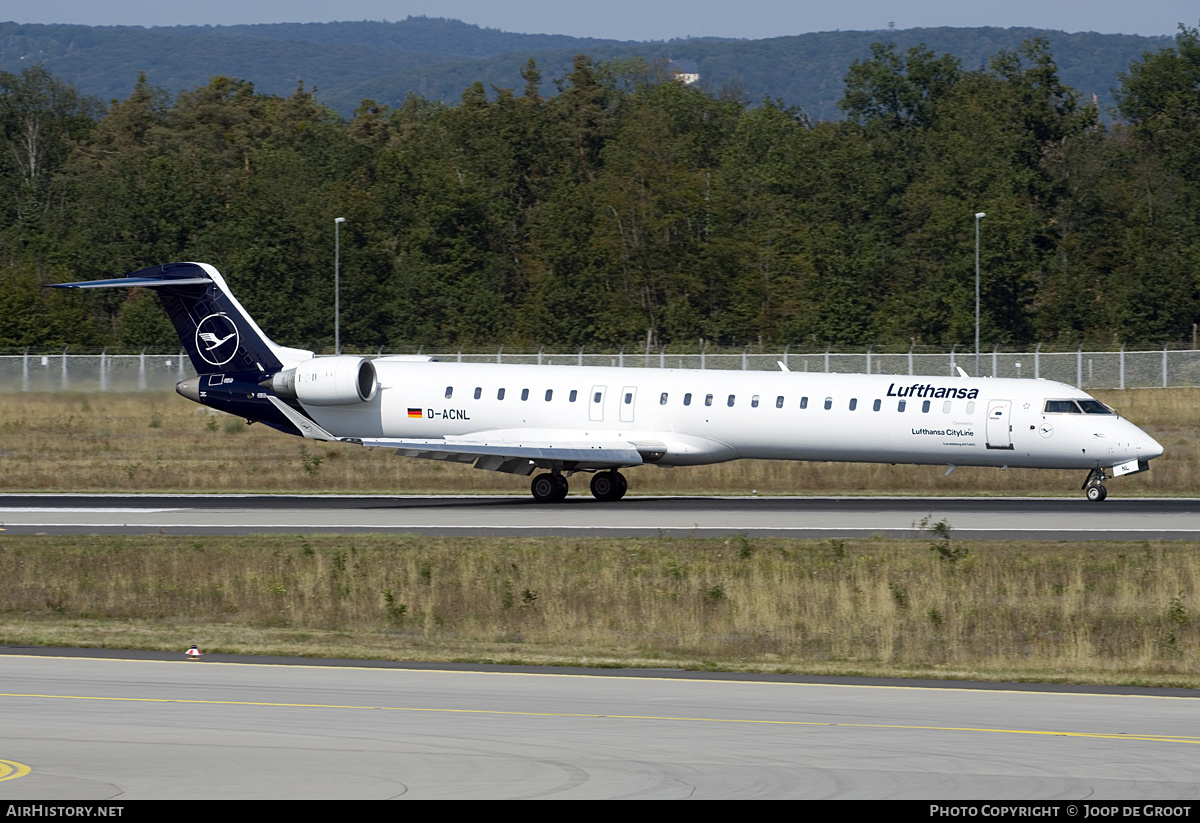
(709,416)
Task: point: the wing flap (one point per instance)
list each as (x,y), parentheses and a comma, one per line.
(516,458)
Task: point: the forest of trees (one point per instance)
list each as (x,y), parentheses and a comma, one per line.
(625,206)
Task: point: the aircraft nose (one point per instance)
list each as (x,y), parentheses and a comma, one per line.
(1148,448)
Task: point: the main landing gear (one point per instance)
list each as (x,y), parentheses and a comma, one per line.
(1094,485)
(609,486)
(552,487)
(549,488)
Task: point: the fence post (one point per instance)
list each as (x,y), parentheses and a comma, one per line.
(868,359)
(103,374)
(1037,361)
(65,383)
(25,370)
(785,358)
(1079,368)
(703,347)
(995,361)
(910,360)
(1164,365)
(181,356)
(953,365)
(744,359)
(142,371)
(1121,368)
(581,355)
(827,359)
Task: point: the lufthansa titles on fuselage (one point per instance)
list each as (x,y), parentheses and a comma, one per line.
(931,391)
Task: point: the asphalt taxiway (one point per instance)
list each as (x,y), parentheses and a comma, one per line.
(122,729)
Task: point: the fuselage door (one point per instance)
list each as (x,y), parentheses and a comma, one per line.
(596,404)
(999,427)
(628,398)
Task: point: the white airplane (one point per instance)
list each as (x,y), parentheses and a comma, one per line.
(564,420)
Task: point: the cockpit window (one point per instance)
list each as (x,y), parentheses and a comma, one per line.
(1095,407)
(1061,407)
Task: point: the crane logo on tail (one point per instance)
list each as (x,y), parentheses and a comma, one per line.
(217,339)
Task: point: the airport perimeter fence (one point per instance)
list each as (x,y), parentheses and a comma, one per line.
(1163,368)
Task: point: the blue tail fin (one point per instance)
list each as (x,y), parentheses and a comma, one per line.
(217,333)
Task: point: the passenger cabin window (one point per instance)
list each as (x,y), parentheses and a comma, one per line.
(524,394)
(900,406)
(662,401)
(628,398)
(853,403)
(687,399)
(500,394)
(754,402)
(729,402)
(1061,407)
(971,407)
(708,399)
(596,399)
(946,407)
(574,394)
(878,404)
(779,402)
(925,407)
(449,392)
(478,392)
(804,402)
(828,403)
(549,394)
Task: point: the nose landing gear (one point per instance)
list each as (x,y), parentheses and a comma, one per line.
(1094,485)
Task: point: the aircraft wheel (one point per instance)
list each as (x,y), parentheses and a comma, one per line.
(609,486)
(1096,493)
(546,489)
(561,487)
(622,485)
(605,486)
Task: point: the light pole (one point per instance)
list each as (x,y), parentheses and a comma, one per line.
(337,289)
(978,216)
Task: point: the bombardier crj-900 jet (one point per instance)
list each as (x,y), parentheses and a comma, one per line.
(562,420)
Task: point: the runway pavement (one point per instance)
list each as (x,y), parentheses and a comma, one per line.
(103,729)
(970,518)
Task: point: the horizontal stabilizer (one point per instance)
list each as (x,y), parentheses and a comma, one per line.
(131,282)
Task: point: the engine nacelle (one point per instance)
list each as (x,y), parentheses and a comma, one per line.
(328,381)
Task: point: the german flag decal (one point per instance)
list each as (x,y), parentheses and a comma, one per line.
(415,413)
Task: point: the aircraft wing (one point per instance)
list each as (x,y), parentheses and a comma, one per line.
(515,457)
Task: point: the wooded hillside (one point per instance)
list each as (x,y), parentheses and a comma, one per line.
(624,206)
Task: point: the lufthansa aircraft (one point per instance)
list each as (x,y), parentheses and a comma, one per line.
(567,419)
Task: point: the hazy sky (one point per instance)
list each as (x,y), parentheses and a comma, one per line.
(636,19)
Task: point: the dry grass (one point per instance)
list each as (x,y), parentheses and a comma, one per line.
(161,442)
(1098,613)
(1078,612)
